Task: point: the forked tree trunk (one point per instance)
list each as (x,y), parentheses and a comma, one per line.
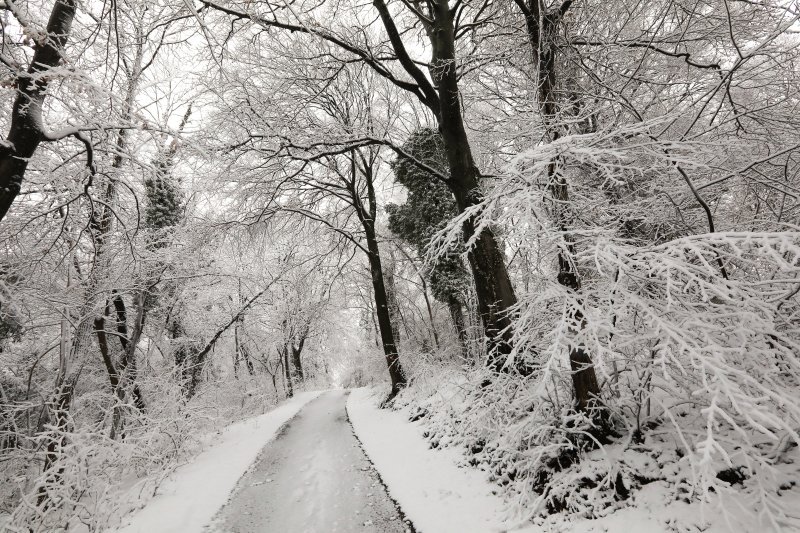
(128,370)
(70,366)
(297,363)
(241,351)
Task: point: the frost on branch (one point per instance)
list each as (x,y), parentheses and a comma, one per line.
(692,334)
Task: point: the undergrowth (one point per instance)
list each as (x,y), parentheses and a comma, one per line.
(101,479)
(545,462)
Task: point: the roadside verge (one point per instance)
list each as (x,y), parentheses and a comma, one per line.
(435,493)
(190,497)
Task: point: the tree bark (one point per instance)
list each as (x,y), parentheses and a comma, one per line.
(241,350)
(297,363)
(431,320)
(128,370)
(27,127)
(297,350)
(391,299)
(493,288)
(383,313)
(367,219)
(541,27)
(113,375)
(60,407)
(64,387)
(284,354)
(457,316)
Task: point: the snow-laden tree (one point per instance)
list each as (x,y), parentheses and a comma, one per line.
(659,210)
(304,163)
(432,85)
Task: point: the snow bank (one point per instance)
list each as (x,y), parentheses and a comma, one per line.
(193,494)
(434,493)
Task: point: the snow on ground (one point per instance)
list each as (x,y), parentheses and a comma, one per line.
(439,493)
(435,493)
(312,478)
(192,495)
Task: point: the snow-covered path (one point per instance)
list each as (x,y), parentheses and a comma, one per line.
(313,477)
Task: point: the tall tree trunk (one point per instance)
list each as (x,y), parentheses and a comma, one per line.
(237,350)
(27,126)
(297,364)
(248,361)
(59,407)
(431,320)
(284,353)
(425,296)
(241,351)
(297,349)
(584,379)
(493,288)
(383,313)
(274,384)
(70,366)
(391,298)
(375,327)
(197,360)
(128,370)
(183,355)
(367,218)
(541,27)
(113,375)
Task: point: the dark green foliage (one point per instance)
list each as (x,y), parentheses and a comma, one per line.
(10,323)
(164,208)
(163,211)
(10,316)
(427,209)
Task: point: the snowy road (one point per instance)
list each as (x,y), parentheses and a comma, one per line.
(312,478)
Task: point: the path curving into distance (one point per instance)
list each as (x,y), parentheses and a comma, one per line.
(312,478)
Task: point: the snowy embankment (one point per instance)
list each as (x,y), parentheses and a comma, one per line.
(193,494)
(439,493)
(435,493)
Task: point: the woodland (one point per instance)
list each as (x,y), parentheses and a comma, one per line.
(580,218)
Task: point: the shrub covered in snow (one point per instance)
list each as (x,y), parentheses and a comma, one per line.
(99,478)
(692,335)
